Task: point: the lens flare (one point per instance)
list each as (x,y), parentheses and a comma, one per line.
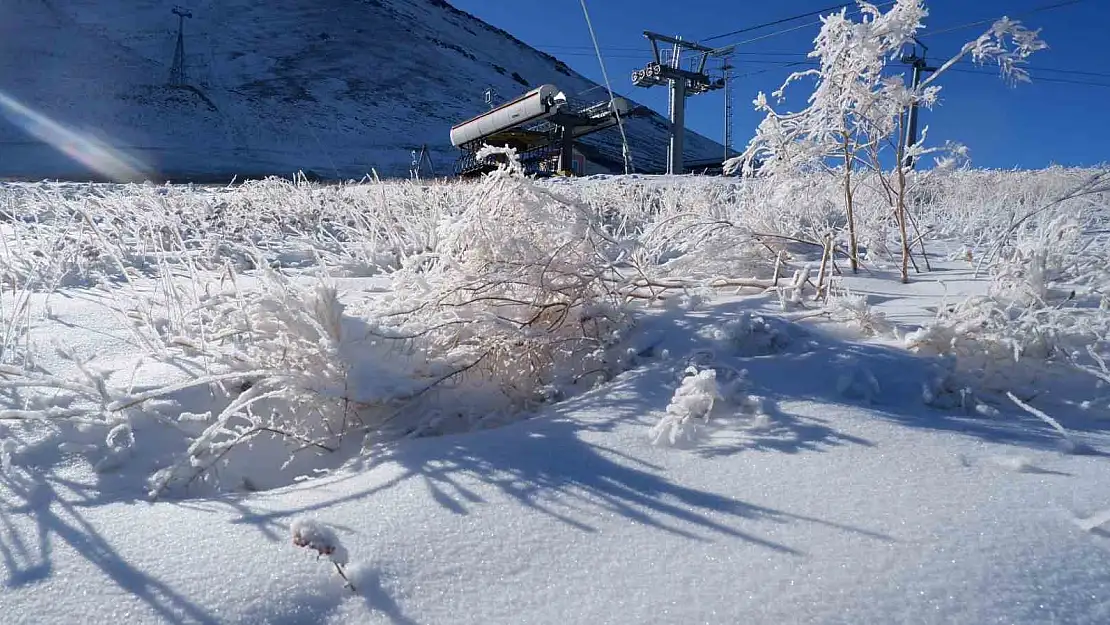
(90,152)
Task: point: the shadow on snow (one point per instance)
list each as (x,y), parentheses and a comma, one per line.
(554,464)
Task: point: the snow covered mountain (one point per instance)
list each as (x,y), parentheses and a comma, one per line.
(335,87)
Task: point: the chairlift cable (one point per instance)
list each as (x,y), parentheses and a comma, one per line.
(792,28)
(608,86)
(1046,7)
(776,22)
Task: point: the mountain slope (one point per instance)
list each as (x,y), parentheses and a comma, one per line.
(336,87)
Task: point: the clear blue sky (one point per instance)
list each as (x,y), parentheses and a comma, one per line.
(1052,120)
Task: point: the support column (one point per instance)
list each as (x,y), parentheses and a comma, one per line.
(678,125)
(566,151)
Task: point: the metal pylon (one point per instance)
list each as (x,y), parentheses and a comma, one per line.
(177,70)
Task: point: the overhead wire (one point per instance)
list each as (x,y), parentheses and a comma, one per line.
(1078,72)
(756,27)
(800,26)
(776,22)
(1039,9)
(1047,7)
(1033,10)
(590,50)
(1034,70)
(750,57)
(1069,81)
(626,153)
(1031,68)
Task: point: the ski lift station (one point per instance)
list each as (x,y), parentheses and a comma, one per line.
(542,125)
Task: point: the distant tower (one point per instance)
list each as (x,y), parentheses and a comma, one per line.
(491,97)
(421,162)
(177,70)
(682,83)
(726,69)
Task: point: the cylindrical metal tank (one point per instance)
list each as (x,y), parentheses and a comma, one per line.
(534,105)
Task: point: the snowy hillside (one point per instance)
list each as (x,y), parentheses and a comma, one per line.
(334,87)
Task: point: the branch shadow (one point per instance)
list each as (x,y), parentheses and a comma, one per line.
(368,585)
(782,432)
(56,517)
(820,362)
(554,466)
(822,374)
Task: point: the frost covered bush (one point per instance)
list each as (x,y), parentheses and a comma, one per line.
(700,401)
(304,370)
(688,409)
(750,335)
(520,296)
(516,302)
(503,295)
(845,306)
(116,231)
(1047,298)
(489,299)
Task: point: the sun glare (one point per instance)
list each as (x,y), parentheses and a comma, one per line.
(90,152)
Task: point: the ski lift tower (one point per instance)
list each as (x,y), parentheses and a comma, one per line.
(683,83)
(177,70)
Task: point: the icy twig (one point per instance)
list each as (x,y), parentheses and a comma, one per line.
(1069,444)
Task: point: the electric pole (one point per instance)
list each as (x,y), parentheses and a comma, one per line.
(726,69)
(177,70)
(919,67)
(682,83)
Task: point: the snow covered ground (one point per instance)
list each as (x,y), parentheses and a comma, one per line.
(854,459)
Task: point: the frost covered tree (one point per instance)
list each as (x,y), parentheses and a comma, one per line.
(854,116)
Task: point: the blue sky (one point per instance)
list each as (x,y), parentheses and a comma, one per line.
(1052,120)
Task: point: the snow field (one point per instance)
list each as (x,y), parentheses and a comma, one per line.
(339,347)
(298,314)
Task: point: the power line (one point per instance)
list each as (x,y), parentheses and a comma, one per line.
(749,58)
(776,22)
(1032,69)
(786,64)
(566,50)
(1031,11)
(1077,72)
(1068,81)
(561,47)
(609,87)
(1039,9)
(801,26)
(1051,70)
(770,69)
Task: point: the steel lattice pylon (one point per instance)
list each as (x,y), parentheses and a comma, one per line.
(177,70)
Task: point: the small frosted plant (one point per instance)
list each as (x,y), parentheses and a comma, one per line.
(311,534)
(692,402)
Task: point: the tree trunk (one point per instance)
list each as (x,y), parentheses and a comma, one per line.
(848,205)
(906,251)
(825,254)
